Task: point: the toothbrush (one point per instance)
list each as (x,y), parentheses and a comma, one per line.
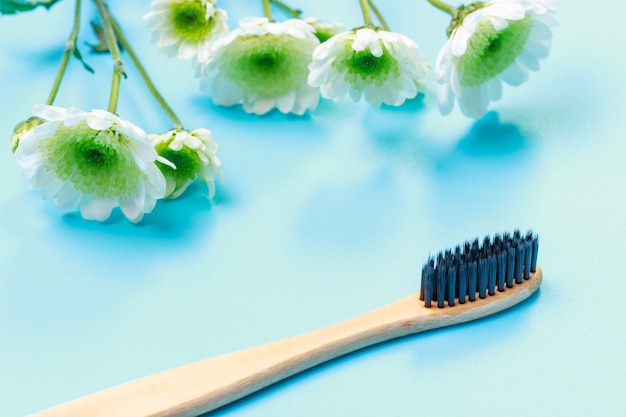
(473,281)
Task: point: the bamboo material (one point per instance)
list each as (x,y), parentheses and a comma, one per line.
(203,386)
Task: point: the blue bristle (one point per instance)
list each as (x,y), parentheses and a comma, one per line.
(492,270)
(501,272)
(429,274)
(451,283)
(423,282)
(441,285)
(472,277)
(519,261)
(533,258)
(462,280)
(510,266)
(478,268)
(527,257)
(483,275)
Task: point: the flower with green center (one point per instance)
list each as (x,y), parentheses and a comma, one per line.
(195,156)
(93,160)
(263,65)
(498,41)
(382,67)
(187,27)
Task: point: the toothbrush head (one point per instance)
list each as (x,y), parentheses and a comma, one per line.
(477,270)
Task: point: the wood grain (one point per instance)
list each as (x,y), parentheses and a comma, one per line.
(203,386)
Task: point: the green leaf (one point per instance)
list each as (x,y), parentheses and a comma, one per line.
(15,6)
(79,57)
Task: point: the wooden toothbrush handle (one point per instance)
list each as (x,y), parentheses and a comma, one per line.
(203,386)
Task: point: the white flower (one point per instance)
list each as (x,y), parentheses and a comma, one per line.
(381,66)
(187,27)
(193,153)
(263,65)
(498,41)
(93,160)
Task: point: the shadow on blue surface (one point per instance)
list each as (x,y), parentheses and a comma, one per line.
(507,323)
(490,137)
(186,219)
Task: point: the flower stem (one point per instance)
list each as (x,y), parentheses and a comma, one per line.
(367,16)
(70,46)
(114,49)
(379,15)
(267,10)
(144,75)
(445,7)
(296,13)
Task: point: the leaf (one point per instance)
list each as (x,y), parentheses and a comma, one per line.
(78,56)
(101,46)
(15,6)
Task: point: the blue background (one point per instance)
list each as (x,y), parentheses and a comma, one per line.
(324,217)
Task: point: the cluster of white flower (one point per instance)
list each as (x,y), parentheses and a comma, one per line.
(287,65)
(95,161)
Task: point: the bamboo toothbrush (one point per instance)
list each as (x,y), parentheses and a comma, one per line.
(470,282)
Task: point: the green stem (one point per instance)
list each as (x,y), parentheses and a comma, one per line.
(115,92)
(267,11)
(70,46)
(290,10)
(367,16)
(379,16)
(114,49)
(444,7)
(144,75)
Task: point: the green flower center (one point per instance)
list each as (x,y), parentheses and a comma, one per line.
(96,162)
(186,160)
(362,65)
(189,21)
(267,65)
(490,52)
(324,34)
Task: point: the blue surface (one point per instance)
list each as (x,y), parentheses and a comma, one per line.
(325,217)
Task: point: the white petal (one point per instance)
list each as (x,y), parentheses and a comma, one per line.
(445,99)
(51,113)
(286,102)
(514,75)
(130,210)
(95,208)
(474,101)
(67,197)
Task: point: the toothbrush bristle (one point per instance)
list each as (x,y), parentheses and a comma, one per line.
(479,270)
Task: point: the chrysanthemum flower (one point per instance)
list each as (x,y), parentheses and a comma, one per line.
(263,65)
(195,156)
(187,27)
(497,41)
(380,66)
(93,160)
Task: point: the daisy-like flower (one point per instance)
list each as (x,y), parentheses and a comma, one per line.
(263,65)
(195,156)
(489,43)
(380,66)
(93,160)
(187,27)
